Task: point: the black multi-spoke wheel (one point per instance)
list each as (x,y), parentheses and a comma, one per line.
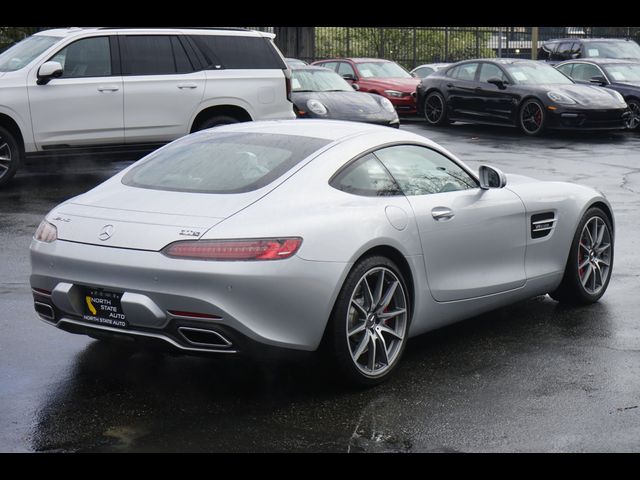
(370,321)
(9,156)
(435,109)
(532,117)
(590,262)
(633,120)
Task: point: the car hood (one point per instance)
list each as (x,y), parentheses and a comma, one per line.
(627,84)
(143,219)
(401,84)
(340,102)
(588,95)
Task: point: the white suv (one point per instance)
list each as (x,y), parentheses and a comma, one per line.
(65,89)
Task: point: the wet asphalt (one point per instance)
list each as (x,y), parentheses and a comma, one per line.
(535,376)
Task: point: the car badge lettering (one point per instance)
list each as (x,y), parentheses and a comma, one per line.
(189,233)
(106,232)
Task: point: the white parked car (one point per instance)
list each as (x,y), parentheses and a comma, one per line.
(65,89)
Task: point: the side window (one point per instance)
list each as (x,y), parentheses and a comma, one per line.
(423,72)
(329,65)
(367,177)
(147,55)
(489,70)
(183,64)
(564,50)
(345,69)
(90,57)
(583,72)
(422,171)
(466,72)
(239,52)
(567,69)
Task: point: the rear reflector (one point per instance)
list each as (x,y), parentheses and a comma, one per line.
(229,250)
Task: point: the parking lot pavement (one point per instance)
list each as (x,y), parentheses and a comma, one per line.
(531,377)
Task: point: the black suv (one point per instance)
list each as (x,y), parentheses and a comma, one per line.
(570,48)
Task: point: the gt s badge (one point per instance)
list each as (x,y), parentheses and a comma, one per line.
(189,233)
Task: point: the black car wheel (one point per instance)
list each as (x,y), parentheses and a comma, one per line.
(588,269)
(369,325)
(532,117)
(633,121)
(435,109)
(10,154)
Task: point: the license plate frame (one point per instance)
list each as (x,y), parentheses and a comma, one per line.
(103,307)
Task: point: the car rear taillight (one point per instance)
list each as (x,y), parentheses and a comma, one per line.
(229,250)
(46,232)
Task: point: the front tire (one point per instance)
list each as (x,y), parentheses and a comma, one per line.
(10,156)
(369,324)
(435,109)
(532,117)
(633,122)
(590,262)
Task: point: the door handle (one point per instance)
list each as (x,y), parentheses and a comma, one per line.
(450,85)
(182,86)
(108,88)
(442,213)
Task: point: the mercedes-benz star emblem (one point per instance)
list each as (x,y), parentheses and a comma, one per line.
(106,232)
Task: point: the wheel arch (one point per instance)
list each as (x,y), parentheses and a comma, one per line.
(234,111)
(607,210)
(10,124)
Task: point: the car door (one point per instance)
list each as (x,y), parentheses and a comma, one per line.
(85,105)
(497,103)
(162,90)
(460,87)
(473,240)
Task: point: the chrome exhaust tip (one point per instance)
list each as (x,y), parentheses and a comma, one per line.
(204,338)
(45,311)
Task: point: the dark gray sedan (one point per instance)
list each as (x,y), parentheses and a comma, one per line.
(318,92)
(620,75)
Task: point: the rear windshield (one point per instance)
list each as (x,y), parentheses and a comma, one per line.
(239,52)
(222,162)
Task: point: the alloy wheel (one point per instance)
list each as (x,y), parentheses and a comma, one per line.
(594,255)
(5,157)
(633,121)
(531,117)
(433,108)
(376,321)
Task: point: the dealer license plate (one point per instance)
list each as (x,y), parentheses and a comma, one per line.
(104,307)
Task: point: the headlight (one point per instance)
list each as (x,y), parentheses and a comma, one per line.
(387,105)
(561,98)
(316,107)
(394,93)
(46,232)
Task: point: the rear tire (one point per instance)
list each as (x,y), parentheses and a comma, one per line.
(216,121)
(590,263)
(369,325)
(10,156)
(435,109)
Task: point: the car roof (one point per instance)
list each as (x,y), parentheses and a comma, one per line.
(502,61)
(355,59)
(333,130)
(587,40)
(310,67)
(78,31)
(603,60)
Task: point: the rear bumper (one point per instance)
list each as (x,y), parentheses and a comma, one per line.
(251,306)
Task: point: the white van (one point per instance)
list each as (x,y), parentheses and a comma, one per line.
(78,88)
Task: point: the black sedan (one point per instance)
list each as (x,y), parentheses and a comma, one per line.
(623,76)
(318,92)
(523,93)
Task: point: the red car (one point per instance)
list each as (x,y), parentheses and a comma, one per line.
(375,75)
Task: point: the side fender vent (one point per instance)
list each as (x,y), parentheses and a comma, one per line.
(542,224)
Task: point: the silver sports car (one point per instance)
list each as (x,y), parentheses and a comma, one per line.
(288,235)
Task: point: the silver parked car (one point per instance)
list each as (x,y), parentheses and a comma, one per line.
(281,234)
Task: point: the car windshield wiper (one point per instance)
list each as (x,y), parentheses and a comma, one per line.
(303,91)
(337,90)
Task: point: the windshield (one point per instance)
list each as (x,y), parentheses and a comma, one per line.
(22,53)
(623,72)
(225,162)
(622,49)
(382,70)
(536,74)
(318,81)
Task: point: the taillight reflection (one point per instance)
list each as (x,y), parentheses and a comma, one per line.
(230,250)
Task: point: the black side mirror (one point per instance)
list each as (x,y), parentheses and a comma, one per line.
(498,82)
(598,80)
(491,177)
(355,86)
(349,77)
(47,71)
